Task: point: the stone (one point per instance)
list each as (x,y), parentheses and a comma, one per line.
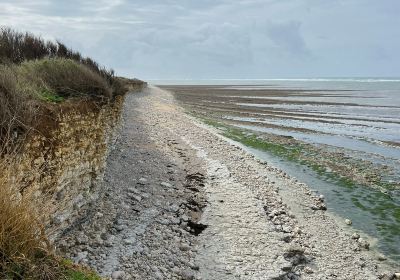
(355,236)
(308,270)
(81,239)
(129,241)
(166,185)
(185,218)
(59,219)
(184,247)
(133,190)
(319,206)
(120,227)
(382,257)
(158,275)
(80,256)
(187,274)
(286,229)
(99,215)
(138,198)
(348,222)
(397,275)
(142,180)
(118,274)
(363,243)
(294,250)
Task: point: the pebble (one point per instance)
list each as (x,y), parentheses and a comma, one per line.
(355,236)
(308,270)
(142,180)
(382,257)
(118,275)
(348,222)
(187,274)
(165,184)
(136,197)
(184,247)
(129,241)
(297,230)
(363,243)
(80,256)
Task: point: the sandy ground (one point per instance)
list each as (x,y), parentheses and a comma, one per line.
(181,202)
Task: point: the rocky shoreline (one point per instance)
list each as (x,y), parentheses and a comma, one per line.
(180,202)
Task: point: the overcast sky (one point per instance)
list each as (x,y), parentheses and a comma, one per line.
(183,39)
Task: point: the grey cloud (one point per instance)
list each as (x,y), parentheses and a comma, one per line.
(287,36)
(222,38)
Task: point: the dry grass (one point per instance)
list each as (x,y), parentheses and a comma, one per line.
(17,47)
(23,244)
(65,78)
(17,110)
(24,87)
(25,252)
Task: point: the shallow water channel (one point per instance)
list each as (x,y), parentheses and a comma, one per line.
(371,211)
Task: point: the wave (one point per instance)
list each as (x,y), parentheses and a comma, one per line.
(360,80)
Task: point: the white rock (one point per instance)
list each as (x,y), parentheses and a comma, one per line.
(348,222)
(184,247)
(382,257)
(355,236)
(129,241)
(136,197)
(297,230)
(308,270)
(143,180)
(363,243)
(187,274)
(118,275)
(80,256)
(133,190)
(165,184)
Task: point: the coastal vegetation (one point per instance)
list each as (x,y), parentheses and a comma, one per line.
(38,79)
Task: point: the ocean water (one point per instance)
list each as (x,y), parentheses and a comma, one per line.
(357,110)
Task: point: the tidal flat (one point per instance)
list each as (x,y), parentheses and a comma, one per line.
(339,142)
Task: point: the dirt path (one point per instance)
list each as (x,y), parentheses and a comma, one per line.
(179,202)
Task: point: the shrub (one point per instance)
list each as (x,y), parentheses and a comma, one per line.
(17,47)
(65,78)
(17,109)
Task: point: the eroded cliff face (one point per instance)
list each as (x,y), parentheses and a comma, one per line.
(61,165)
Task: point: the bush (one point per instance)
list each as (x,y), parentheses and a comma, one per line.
(64,78)
(17,109)
(17,47)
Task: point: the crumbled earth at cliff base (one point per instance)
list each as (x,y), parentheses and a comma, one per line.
(180,202)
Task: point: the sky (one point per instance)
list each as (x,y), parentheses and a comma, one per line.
(222,39)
